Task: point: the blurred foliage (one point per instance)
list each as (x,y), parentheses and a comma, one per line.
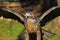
(55,38)
(9,30)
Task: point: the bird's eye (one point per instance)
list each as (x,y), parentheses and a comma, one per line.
(27,16)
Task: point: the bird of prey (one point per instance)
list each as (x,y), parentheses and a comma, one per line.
(20,17)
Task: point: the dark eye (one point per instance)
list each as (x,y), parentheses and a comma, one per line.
(27,16)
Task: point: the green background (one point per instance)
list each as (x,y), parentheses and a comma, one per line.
(11,29)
